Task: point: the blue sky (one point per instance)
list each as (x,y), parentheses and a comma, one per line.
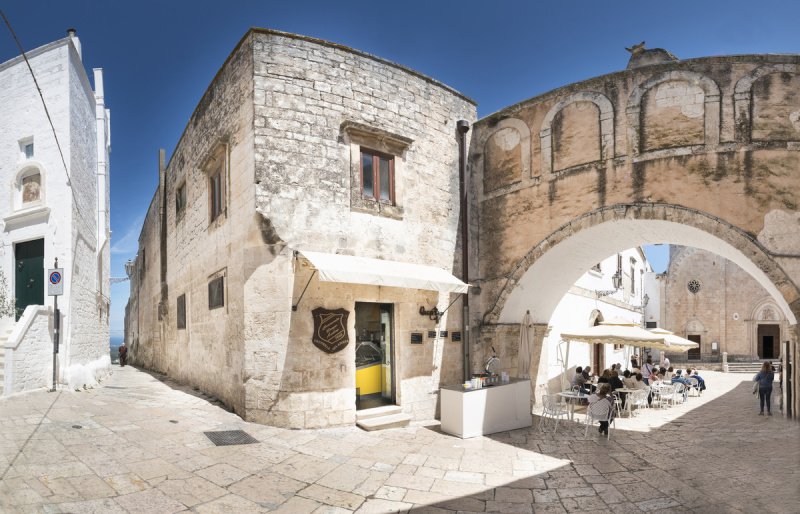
(159,56)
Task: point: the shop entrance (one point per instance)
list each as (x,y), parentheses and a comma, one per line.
(375,373)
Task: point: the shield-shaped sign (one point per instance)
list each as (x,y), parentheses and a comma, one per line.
(330,329)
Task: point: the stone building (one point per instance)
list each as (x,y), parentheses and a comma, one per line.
(55,205)
(313,184)
(712,301)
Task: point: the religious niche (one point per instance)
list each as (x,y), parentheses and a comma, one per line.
(330,329)
(31,188)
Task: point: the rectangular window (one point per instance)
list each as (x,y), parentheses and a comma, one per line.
(216,196)
(216,293)
(377,176)
(633,276)
(181,311)
(650,324)
(29,151)
(180,198)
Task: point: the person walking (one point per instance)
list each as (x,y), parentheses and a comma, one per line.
(765,378)
(123,354)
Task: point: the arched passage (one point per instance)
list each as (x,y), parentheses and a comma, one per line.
(545,273)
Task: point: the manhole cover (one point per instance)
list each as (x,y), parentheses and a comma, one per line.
(230,437)
(76,426)
(173,421)
(115,387)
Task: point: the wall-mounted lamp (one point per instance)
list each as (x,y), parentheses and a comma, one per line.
(616,281)
(433,314)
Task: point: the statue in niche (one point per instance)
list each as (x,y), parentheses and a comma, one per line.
(31,188)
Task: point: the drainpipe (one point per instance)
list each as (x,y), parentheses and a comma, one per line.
(463,127)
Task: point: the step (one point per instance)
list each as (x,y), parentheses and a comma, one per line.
(383,410)
(384,422)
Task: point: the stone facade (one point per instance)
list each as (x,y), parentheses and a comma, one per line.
(724,307)
(285,120)
(65,208)
(667,151)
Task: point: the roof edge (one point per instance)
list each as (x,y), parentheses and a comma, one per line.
(345,48)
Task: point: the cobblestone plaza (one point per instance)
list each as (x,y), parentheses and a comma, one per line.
(136,444)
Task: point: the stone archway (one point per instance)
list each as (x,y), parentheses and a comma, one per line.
(559,259)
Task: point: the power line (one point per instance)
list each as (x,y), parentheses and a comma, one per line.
(36,83)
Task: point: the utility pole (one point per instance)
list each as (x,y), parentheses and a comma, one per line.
(55,288)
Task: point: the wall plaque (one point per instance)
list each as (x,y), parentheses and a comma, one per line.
(455,336)
(416,337)
(431,334)
(443,334)
(330,329)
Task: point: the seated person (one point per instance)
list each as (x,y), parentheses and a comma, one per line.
(639,383)
(605,377)
(629,380)
(579,380)
(615,381)
(669,373)
(677,379)
(700,381)
(601,404)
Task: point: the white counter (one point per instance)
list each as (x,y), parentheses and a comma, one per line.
(475,412)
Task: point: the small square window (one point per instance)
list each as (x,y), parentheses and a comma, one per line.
(216,293)
(377,176)
(180,198)
(29,151)
(181,311)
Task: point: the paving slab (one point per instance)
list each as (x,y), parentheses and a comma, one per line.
(138,446)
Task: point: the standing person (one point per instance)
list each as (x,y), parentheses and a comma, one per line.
(765,378)
(634,362)
(647,370)
(666,361)
(123,354)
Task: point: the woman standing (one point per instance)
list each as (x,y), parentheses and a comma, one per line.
(764,379)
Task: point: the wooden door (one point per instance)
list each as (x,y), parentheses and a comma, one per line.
(28,275)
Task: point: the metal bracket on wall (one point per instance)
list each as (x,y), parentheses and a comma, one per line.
(294,307)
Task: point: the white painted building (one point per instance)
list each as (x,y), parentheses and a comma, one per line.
(594,298)
(54,204)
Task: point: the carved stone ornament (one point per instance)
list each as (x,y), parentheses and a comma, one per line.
(330,329)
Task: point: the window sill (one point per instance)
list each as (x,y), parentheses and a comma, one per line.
(377,208)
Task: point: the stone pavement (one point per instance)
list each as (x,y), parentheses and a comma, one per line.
(136,444)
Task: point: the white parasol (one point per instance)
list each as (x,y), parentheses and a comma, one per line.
(674,342)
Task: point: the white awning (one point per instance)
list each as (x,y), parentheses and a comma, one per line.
(379,272)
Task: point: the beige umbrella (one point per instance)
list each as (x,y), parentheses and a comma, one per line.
(675,342)
(615,331)
(525,350)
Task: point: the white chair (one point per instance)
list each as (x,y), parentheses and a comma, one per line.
(552,410)
(601,410)
(679,393)
(662,395)
(695,389)
(639,401)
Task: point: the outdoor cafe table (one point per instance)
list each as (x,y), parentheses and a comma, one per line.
(572,398)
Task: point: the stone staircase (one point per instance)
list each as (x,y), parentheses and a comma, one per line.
(3,338)
(748,367)
(381,418)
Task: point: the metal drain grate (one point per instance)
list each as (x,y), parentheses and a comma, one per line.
(230,437)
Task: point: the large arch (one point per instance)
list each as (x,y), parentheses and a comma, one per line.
(546,272)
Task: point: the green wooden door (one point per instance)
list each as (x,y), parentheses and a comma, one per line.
(29,274)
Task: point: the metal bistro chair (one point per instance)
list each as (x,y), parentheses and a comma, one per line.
(599,411)
(552,410)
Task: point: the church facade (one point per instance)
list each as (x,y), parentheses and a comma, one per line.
(55,206)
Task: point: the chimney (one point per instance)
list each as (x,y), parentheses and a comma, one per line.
(72,34)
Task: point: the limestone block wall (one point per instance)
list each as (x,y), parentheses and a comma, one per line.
(181,251)
(689,133)
(307,93)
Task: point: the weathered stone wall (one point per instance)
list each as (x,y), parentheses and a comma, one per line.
(184,250)
(677,134)
(307,93)
(727,309)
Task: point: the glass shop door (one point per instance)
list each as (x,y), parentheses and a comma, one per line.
(375,371)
